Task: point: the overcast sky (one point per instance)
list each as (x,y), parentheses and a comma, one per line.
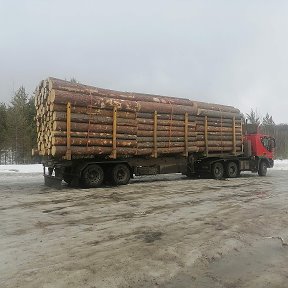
(233,52)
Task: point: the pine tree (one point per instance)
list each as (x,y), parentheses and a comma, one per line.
(253,117)
(268,125)
(3,129)
(20,119)
(268,120)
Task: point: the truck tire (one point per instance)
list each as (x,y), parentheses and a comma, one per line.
(232,170)
(217,170)
(92,176)
(262,170)
(120,174)
(67,177)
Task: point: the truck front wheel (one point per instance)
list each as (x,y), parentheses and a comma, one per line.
(92,176)
(120,174)
(262,170)
(217,170)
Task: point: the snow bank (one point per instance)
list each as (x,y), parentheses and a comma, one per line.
(281,164)
(38,168)
(32,168)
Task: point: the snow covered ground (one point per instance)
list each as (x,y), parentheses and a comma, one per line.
(30,168)
(281,164)
(38,168)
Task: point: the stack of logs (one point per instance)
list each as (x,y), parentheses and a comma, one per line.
(112,123)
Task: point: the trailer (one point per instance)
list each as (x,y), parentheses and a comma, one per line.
(89,136)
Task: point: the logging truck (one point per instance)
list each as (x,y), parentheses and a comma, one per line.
(90,136)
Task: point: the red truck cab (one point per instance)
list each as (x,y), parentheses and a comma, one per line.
(261,145)
(261,148)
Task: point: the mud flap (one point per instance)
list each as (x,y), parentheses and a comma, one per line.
(52,181)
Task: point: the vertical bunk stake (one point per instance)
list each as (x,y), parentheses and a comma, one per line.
(206,135)
(114,133)
(68,151)
(234,136)
(186,134)
(155,135)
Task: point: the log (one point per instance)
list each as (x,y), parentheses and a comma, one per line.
(149,133)
(60,141)
(217,137)
(93,135)
(215,143)
(132,96)
(63,97)
(163,116)
(229,120)
(161,128)
(58,84)
(218,133)
(92,122)
(161,144)
(166,108)
(84,127)
(165,139)
(161,122)
(82,118)
(216,129)
(91,111)
(217,107)
(219,114)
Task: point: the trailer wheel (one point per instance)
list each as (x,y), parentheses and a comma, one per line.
(92,176)
(120,174)
(262,171)
(232,170)
(217,170)
(67,177)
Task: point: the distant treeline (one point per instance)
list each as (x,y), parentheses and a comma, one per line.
(280,133)
(18,132)
(17,129)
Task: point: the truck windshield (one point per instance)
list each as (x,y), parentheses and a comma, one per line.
(268,143)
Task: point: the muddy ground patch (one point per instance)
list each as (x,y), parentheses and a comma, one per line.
(162,231)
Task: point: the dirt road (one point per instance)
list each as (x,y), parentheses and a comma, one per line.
(162,231)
